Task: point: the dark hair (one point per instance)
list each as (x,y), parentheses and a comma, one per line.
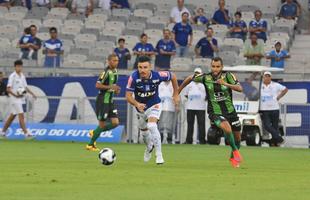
(120,40)
(18,62)
(183,13)
(142,35)
(53,29)
(32,26)
(144,59)
(216,59)
(258,11)
(238,13)
(111,56)
(27,30)
(209,28)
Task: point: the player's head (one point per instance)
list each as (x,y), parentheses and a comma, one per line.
(278,46)
(121,42)
(112,61)
(267,77)
(18,64)
(53,32)
(27,31)
(166,33)
(144,66)
(216,66)
(33,29)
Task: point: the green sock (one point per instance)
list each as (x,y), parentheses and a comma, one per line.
(98,130)
(238,146)
(231,140)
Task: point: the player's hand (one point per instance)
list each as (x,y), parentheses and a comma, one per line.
(221,82)
(176,100)
(115,88)
(140,107)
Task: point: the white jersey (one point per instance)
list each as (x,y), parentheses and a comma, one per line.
(269,94)
(16,81)
(165,92)
(196,96)
(176,14)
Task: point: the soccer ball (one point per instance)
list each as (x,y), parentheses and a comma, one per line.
(107,156)
(21,91)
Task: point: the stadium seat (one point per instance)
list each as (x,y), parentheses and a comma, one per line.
(81,51)
(229,57)
(94,24)
(71,30)
(94,31)
(110,44)
(203,63)
(233,42)
(75,16)
(234,48)
(110,38)
(101,51)
(155,26)
(93,64)
(52,23)
(28,22)
(66,36)
(5,43)
(115,25)
(76,57)
(146,5)
(102,11)
(43,36)
(181,64)
(59,11)
(118,19)
(155,32)
(114,31)
(14,16)
(136,25)
(135,32)
(18,9)
(73,22)
(96,17)
(12,53)
(121,12)
(219,30)
(54,16)
(143,13)
(247,8)
(133,18)
(72,64)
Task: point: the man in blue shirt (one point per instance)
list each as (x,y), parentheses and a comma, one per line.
(181,32)
(221,16)
(143,48)
(238,28)
(120,4)
(200,18)
(25,44)
(53,49)
(278,56)
(123,54)
(206,46)
(165,49)
(258,26)
(143,83)
(289,10)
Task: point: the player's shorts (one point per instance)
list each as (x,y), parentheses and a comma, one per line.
(232,118)
(105,110)
(153,111)
(16,108)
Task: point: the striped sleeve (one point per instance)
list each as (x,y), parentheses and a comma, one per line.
(231,79)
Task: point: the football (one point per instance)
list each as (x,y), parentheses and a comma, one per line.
(21,91)
(107,156)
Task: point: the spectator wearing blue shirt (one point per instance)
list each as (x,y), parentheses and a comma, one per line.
(37,43)
(165,49)
(181,32)
(200,18)
(120,4)
(278,56)
(221,16)
(143,48)
(206,46)
(123,54)
(238,28)
(289,10)
(259,26)
(61,3)
(53,50)
(25,44)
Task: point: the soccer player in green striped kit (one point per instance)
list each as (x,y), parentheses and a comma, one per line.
(219,86)
(105,110)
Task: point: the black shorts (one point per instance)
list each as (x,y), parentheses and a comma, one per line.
(232,118)
(105,110)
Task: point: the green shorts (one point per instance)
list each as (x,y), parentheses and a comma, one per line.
(105,111)
(232,119)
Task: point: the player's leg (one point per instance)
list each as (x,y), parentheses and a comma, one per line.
(190,126)
(201,119)
(21,120)
(7,124)
(147,136)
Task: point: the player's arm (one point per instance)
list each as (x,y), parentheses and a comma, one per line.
(101,86)
(175,85)
(282,93)
(30,92)
(232,83)
(9,91)
(131,100)
(186,81)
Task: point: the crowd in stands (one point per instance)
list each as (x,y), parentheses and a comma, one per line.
(195,34)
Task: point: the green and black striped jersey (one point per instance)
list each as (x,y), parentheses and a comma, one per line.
(220,100)
(108,77)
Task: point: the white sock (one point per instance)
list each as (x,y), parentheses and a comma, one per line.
(147,138)
(156,137)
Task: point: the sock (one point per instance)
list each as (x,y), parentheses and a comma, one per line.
(156,137)
(98,130)
(231,139)
(147,138)
(237,145)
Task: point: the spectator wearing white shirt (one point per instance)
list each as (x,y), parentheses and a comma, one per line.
(167,120)
(16,88)
(43,3)
(196,106)
(176,12)
(84,7)
(271,93)
(104,4)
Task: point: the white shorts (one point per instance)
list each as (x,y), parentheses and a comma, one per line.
(16,108)
(153,111)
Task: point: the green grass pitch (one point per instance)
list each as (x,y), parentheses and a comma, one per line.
(32,170)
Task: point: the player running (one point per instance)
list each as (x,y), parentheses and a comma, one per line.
(143,83)
(219,86)
(105,109)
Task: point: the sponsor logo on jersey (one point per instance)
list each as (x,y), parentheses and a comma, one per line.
(146,94)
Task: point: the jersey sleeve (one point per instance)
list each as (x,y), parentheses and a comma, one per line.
(198,78)
(131,84)
(102,77)
(10,81)
(24,81)
(164,75)
(231,79)
(280,87)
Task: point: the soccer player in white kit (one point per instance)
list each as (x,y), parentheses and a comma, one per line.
(17,81)
(143,83)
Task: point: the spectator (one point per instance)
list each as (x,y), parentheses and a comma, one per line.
(259,26)
(200,18)
(143,48)
(43,3)
(289,10)
(278,56)
(83,7)
(165,49)
(206,46)
(37,43)
(238,28)
(123,54)
(27,4)
(196,106)
(104,4)
(25,44)
(167,120)
(221,16)
(5,3)
(120,4)
(254,51)
(61,3)
(181,32)
(53,49)
(17,80)
(271,93)
(176,12)
(3,98)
